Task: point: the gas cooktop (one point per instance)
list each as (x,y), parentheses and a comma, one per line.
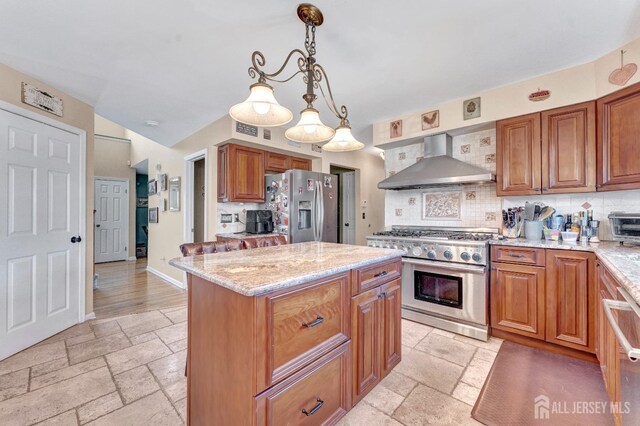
(457,235)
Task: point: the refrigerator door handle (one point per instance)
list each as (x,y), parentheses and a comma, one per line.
(315,212)
(321,217)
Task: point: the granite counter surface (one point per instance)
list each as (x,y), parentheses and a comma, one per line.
(259,271)
(622,261)
(245,235)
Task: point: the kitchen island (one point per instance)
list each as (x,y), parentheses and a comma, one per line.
(291,334)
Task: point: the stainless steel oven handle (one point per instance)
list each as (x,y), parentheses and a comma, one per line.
(632,353)
(475,269)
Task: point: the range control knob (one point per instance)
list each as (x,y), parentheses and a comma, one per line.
(387,245)
(431,254)
(476,257)
(406,249)
(395,247)
(416,251)
(448,255)
(465,256)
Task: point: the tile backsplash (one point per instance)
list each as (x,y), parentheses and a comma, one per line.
(232,208)
(479,205)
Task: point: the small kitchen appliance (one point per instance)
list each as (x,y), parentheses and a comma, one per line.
(259,222)
(625,227)
(445,275)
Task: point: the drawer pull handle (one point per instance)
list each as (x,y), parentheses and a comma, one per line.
(380,274)
(517,256)
(318,406)
(382,295)
(313,323)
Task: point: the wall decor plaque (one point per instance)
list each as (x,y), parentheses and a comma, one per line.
(246,129)
(443,205)
(40,99)
(539,95)
(267,134)
(471,108)
(431,120)
(316,147)
(395,129)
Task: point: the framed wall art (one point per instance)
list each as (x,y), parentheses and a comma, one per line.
(153,215)
(471,108)
(430,120)
(395,129)
(153,186)
(442,205)
(174,194)
(162,182)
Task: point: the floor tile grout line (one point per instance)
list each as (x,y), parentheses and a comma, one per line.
(165,393)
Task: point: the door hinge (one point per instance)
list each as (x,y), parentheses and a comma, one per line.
(125,191)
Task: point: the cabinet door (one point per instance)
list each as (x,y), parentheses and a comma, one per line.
(517,299)
(570,297)
(390,325)
(300,163)
(247,171)
(569,149)
(518,155)
(223,173)
(365,337)
(277,163)
(618,140)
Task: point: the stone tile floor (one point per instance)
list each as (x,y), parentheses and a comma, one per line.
(130,371)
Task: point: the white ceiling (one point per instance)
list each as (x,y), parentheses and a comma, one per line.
(184,63)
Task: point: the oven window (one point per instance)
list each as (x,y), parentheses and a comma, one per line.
(440,289)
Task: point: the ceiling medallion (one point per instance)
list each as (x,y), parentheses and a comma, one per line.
(262,109)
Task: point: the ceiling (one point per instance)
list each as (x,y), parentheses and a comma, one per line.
(184,63)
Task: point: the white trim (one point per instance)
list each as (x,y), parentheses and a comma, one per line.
(111,138)
(126,214)
(132,258)
(90,316)
(82,185)
(166,277)
(188,196)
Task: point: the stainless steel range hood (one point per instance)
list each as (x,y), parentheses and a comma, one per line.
(437,168)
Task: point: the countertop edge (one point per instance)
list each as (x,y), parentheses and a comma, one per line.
(278,285)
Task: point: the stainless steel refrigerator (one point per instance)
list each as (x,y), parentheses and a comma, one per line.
(304,205)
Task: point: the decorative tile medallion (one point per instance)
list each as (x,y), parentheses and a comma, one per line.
(470,195)
(398,212)
(441,205)
(490,216)
(490,158)
(419,158)
(586,206)
(465,149)
(486,141)
(471,108)
(391,172)
(402,156)
(412,201)
(430,120)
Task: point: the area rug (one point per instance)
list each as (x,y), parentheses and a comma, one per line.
(531,386)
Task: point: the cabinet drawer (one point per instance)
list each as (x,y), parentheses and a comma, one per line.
(520,255)
(317,395)
(306,323)
(372,276)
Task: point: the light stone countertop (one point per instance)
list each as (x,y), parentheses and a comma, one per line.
(258,271)
(622,261)
(245,235)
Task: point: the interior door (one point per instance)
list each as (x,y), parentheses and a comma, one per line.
(349,208)
(111,220)
(40,266)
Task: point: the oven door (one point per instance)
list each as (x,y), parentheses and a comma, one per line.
(447,290)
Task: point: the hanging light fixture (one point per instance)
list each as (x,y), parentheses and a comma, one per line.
(262,109)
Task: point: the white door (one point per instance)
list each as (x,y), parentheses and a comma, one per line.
(349,208)
(111,220)
(40,266)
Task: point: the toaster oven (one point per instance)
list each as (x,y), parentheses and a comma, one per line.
(625,226)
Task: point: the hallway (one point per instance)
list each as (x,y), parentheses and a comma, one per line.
(126,288)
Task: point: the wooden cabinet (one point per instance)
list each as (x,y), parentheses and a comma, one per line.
(618,140)
(276,162)
(570,299)
(372,276)
(300,163)
(569,149)
(240,174)
(518,155)
(607,347)
(375,335)
(517,299)
(547,153)
(520,255)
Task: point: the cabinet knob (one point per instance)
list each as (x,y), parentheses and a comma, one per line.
(545,189)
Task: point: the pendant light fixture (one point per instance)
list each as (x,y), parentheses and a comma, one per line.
(262,109)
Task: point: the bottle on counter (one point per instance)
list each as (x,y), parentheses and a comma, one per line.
(567,223)
(575,224)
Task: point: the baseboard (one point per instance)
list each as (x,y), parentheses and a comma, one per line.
(90,316)
(132,258)
(166,277)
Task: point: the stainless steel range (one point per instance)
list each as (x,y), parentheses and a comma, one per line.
(445,275)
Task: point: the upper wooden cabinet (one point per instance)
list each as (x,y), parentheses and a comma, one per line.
(240,174)
(276,162)
(570,297)
(518,155)
(300,163)
(619,140)
(551,152)
(569,149)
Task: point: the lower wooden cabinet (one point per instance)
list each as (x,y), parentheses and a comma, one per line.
(517,299)
(375,319)
(607,347)
(316,395)
(570,297)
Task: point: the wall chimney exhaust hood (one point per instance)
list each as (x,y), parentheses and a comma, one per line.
(437,168)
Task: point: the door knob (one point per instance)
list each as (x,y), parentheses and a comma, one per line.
(76,239)
(98,226)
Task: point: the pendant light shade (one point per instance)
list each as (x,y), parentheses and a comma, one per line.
(343,141)
(261,108)
(309,129)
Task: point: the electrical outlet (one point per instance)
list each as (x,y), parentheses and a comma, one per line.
(364,215)
(236,217)
(226,218)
